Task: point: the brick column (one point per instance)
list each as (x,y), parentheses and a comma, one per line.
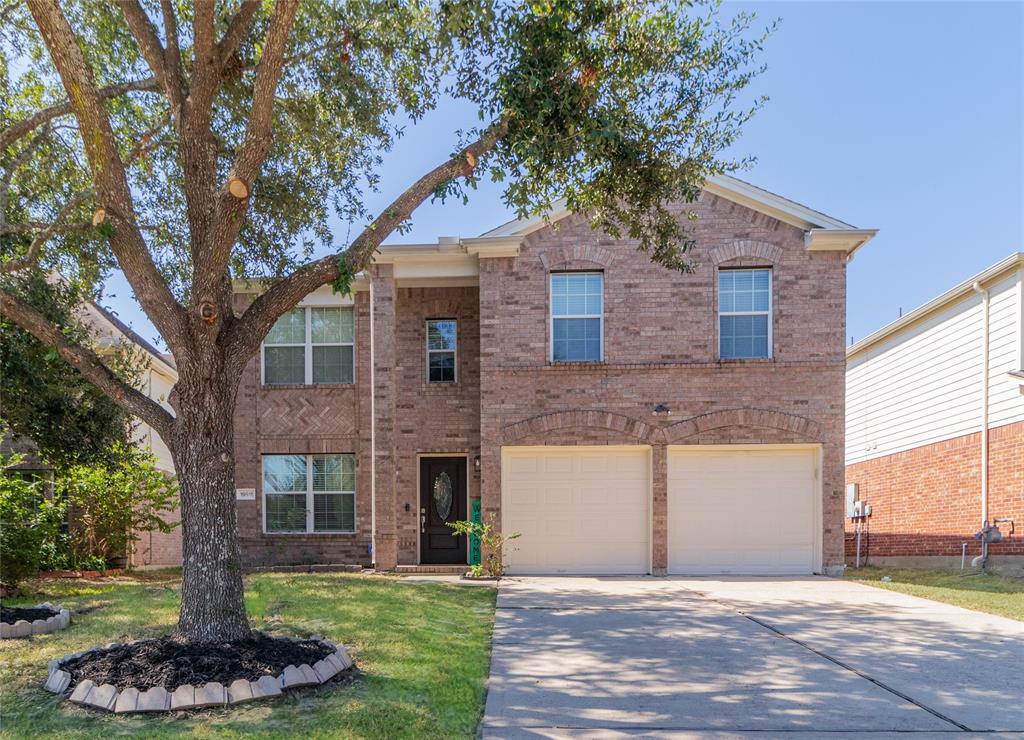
(492,271)
(384,393)
(659,510)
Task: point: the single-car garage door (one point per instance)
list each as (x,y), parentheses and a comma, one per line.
(578,509)
(743,509)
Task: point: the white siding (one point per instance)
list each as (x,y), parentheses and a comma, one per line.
(923,385)
(158,387)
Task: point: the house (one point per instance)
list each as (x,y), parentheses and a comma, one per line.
(152,549)
(624,418)
(935,427)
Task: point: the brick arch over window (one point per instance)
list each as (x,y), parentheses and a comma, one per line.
(744,417)
(542,424)
(746,248)
(558,257)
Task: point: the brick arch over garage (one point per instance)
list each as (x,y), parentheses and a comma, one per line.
(746,248)
(799,426)
(542,425)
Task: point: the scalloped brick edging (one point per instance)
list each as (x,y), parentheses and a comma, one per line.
(213,694)
(22,628)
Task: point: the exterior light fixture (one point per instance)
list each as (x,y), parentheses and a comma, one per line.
(662,409)
(476,462)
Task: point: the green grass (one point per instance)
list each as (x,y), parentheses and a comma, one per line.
(424,650)
(1000,595)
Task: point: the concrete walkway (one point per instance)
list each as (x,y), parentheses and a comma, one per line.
(607,657)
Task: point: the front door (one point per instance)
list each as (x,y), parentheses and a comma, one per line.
(442,500)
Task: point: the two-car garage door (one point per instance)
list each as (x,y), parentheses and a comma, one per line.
(731,509)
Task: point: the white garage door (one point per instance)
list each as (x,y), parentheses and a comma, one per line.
(578,509)
(743,510)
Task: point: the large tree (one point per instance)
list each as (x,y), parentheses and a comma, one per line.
(191,143)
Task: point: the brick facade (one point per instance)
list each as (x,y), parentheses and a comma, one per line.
(660,339)
(926,501)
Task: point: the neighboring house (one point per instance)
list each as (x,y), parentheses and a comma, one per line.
(152,549)
(935,426)
(623,417)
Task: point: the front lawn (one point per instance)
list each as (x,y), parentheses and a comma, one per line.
(985,593)
(424,649)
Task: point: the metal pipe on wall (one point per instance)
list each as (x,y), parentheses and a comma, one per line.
(983,292)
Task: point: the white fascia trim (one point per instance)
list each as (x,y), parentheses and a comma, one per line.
(837,240)
(993,274)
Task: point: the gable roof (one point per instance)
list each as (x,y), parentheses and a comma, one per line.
(117,331)
(992,274)
(822,232)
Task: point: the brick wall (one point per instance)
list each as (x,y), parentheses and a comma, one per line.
(433,417)
(661,347)
(301,420)
(927,501)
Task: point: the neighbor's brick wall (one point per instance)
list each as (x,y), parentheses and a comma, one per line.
(927,501)
(661,346)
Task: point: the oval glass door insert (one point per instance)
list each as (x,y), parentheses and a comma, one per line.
(443,496)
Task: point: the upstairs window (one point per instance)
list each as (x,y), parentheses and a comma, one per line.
(577,317)
(311,345)
(745,314)
(442,345)
(309,493)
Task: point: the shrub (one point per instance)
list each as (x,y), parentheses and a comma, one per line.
(28,521)
(493,541)
(109,505)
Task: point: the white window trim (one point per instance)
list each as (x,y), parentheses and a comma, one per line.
(552,317)
(454,350)
(308,349)
(310,501)
(770,313)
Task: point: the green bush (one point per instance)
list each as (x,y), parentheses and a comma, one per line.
(28,521)
(494,544)
(110,505)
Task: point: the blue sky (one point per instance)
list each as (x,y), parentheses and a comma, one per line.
(905,117)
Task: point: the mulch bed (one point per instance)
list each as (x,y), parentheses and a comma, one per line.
(167,663)
(11,614)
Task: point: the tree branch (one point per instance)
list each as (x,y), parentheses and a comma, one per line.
(237,27)
(37,119)
(88,364)
(253,325)
(35,248)
(108,174)
(230,211)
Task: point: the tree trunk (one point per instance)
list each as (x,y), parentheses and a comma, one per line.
(212,600)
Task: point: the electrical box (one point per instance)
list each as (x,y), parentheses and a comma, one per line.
(852,496)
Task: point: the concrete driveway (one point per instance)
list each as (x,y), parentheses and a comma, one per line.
(601,657)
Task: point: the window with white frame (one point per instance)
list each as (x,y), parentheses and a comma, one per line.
(309,493)
(745,313)
(442,345)
(311,345)
(577,316)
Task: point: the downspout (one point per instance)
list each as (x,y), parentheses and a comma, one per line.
(984,400)
(373,438)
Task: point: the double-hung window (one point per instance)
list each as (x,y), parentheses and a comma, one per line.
(577,316)
(311,345)
(442,345)
(745,314)
(309,493)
